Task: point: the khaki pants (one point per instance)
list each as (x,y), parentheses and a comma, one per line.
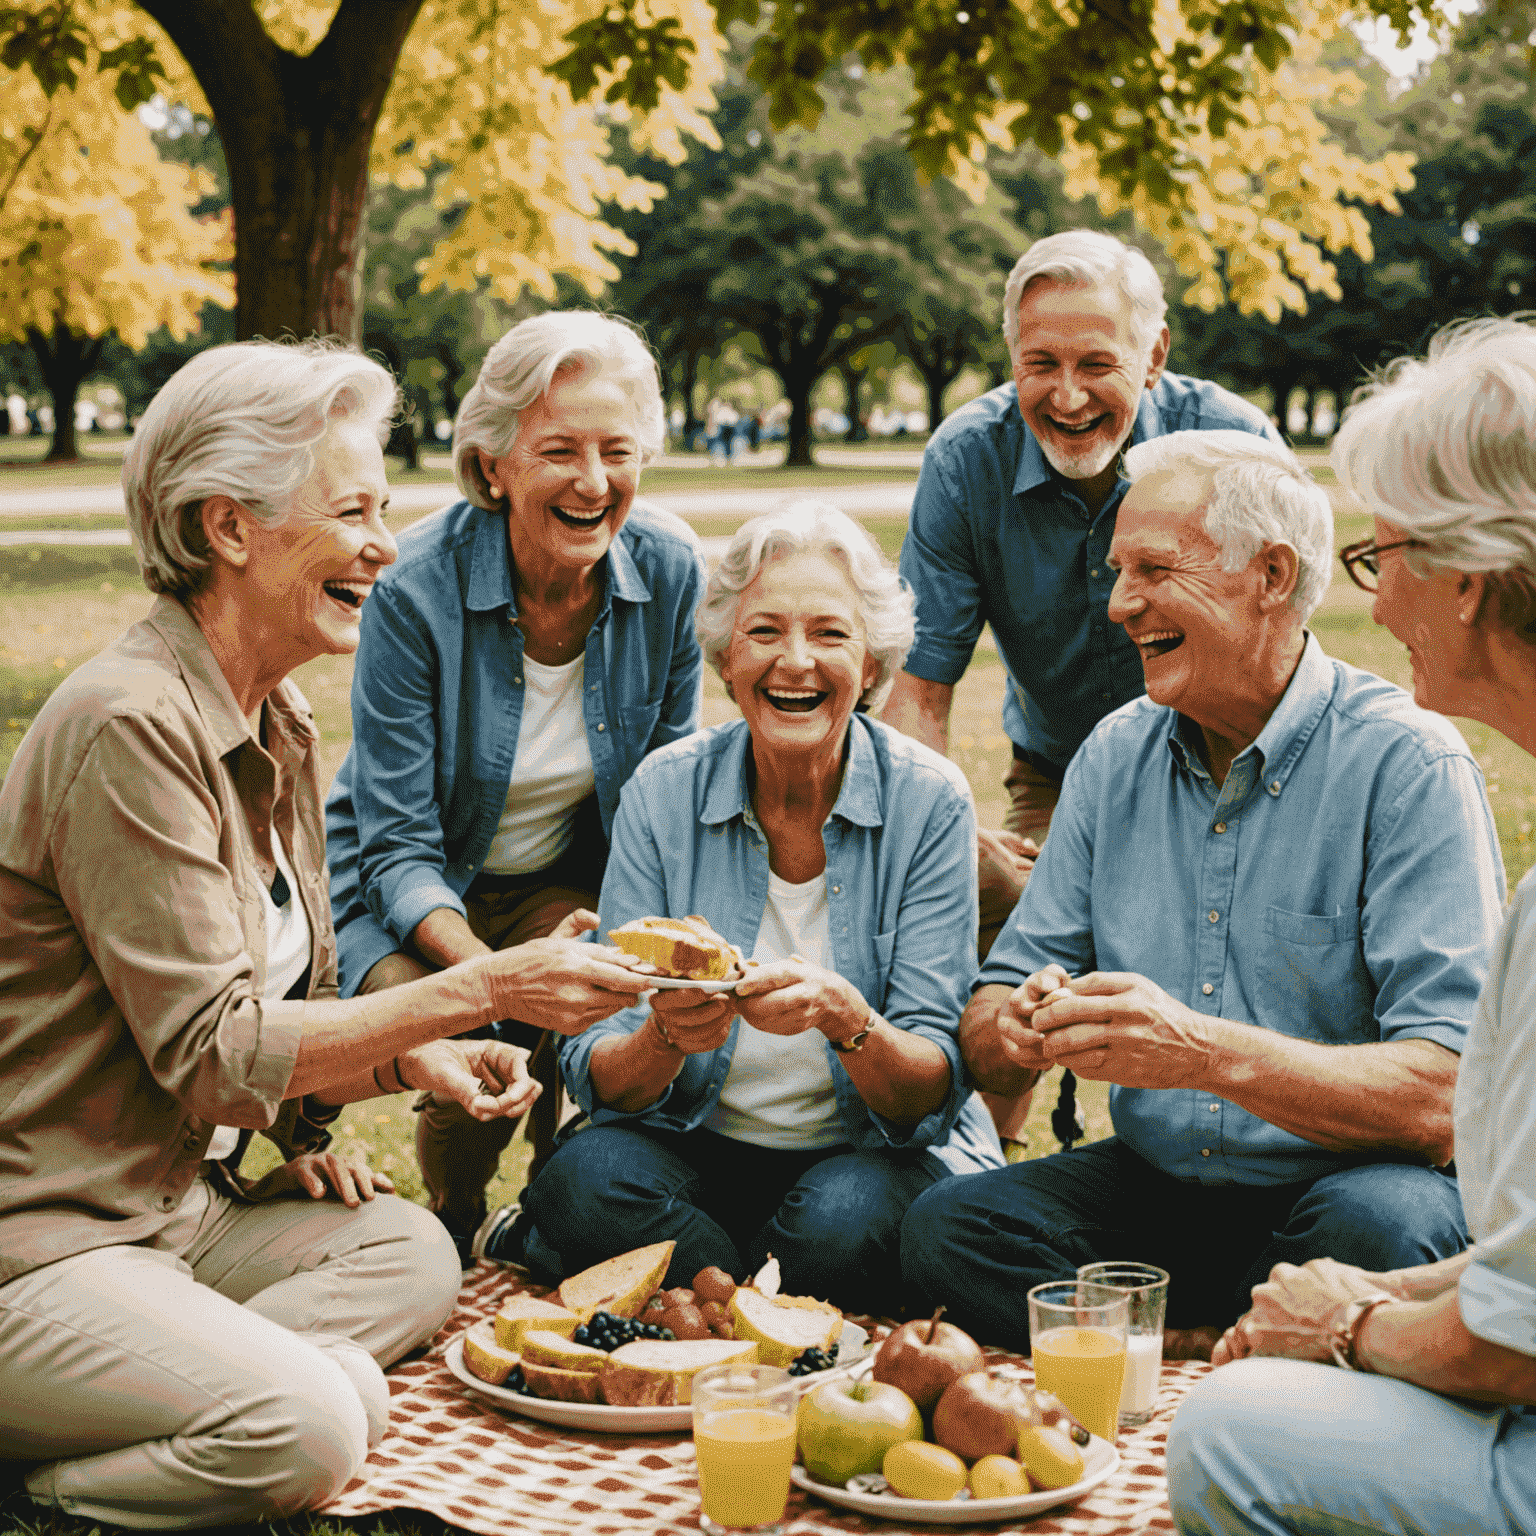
(226,1372)
(458,1154)
(1032,797)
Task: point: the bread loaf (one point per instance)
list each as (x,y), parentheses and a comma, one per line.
(543,1348)
(652,1373)
(784,1326)
(619,1285)
(562,1386)
(678,946)
(520,1313)
(485,1357)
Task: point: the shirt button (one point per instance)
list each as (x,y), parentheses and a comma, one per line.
(1205,1151)
(1207,989)
(601,726)
(1214,916)
(1220,826)
(518,681)
(1274,788)
(1214,1108)
(191,1143)
(837,890)
(1094,572)
(167,1202)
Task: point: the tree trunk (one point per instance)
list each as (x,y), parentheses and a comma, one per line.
(296,133)
(1283,387)
(690,385)
(65,361)
(797,389)
(853,381)
(453,371)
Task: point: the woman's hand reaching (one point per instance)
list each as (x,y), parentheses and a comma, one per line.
(488,1077)
(788,997)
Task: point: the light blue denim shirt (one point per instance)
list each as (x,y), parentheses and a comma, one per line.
(1342,886)
(901,897)
(996,537)
(437,697)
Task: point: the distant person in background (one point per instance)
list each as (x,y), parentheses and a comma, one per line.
(531,644)
(1011,525)
(1431,1424)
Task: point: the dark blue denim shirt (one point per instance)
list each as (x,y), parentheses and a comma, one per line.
(1343,885)
(997,537)
(437,697)
(901,900)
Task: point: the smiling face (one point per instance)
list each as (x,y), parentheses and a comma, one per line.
(306,578)
(1423,614)
(569,479)
(797,663)
(1080,374)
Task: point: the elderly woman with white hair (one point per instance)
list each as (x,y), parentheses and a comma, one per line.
(803,1111)
(180,1346)
(1429,1425)
(530,645)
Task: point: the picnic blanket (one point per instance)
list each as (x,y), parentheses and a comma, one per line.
(459,1458)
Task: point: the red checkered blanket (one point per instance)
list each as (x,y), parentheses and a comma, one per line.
(450,1454)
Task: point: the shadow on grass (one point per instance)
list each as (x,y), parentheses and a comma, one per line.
(55,567)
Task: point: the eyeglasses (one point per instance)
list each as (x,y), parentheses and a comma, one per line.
(1361,561)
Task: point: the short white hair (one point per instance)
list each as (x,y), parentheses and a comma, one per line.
(1260,494)
(520,368)
(885,602)
(1445,448)
(241,421)
(1085,258)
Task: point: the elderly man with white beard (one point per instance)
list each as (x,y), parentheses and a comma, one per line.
(1263,913)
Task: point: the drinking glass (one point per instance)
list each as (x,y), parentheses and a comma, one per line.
(744,1439)
(1146,1288)
(1077,1335)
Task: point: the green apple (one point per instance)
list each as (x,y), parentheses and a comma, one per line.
(846,1427)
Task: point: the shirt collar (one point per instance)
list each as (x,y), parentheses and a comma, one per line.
(490,572)
(291,716)
(858,800)
(1274,751)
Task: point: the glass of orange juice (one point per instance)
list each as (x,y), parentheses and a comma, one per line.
(1077,1337)
(744,1439)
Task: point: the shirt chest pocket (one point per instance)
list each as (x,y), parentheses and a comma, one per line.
(871,972)
(1315,984)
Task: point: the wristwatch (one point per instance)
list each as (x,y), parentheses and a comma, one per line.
(1342,1340)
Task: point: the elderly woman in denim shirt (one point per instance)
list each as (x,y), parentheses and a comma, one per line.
(530,645)
(803,1111)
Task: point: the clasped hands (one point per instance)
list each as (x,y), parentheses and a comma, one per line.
(1295,1311)
(1111,1026)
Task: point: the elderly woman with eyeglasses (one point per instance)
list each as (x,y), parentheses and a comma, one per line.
(530,645)
(180,1346)
(1406,1401)
(802,1112)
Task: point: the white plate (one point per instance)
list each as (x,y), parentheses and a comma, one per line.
(676,983)
(853,1348)
(1101,1459)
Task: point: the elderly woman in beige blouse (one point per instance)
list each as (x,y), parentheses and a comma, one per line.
(178,1345)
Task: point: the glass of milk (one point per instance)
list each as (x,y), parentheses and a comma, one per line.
(1147,1287)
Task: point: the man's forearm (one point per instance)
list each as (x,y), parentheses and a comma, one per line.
(1428,1344)
(920,709)
(1347,1098)
(630,1072)
(983,1044)
(443,938)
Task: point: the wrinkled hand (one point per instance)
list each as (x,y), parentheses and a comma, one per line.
(1003,862)
(574,924)
(788,997)
(694,1021)
(563,983)
(488,1077)
(1295,1311)
(318,1174)
(1000,1046)
(1119,1027)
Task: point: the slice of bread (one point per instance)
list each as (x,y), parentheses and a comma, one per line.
(544,1348)
(563,1386)
(678,946)
(659,1372)
(520,1313)
(620,1285)
(485,1357)
(784,1326)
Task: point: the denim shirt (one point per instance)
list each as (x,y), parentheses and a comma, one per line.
(437,697)
(996,537)
(1342,886)
(901,897)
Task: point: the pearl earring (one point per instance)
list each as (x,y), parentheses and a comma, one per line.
(495,491)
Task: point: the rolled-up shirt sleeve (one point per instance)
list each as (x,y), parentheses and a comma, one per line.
(168,942)
(938,559)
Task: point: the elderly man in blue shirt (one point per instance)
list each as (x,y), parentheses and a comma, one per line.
(1263,914)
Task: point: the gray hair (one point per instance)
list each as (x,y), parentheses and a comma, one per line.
(1084,258)
(1446,450)
(885,602)
(240,421)
(520,368)
(1260,494)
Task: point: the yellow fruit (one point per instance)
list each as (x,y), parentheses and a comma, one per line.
(1049,1457)
(998,1477)
(917,1470)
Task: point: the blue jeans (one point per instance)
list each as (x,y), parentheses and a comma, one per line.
(1290,1448)
(832,1217)
(979,1243)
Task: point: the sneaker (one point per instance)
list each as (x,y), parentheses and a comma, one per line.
(492,1235)
(463,1237)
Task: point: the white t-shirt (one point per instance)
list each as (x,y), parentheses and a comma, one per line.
(551,774)
(287,956)
(779,1092)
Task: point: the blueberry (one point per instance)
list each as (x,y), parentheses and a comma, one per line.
(666,1333)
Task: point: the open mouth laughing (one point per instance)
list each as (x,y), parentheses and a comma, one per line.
(1079,429)
(348,594)
(1158,643)
(574,517)
(794,701)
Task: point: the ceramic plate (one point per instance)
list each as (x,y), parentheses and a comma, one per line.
(1100,1461)
(853,1349)
(676,983)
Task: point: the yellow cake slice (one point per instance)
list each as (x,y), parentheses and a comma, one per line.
(487,1358)
(784,1326)
(650,1373)
(678,946)
(545,1348)
(619,1285)
(520,1313)
(562,1386)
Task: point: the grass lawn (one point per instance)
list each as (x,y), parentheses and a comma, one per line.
(60,605)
